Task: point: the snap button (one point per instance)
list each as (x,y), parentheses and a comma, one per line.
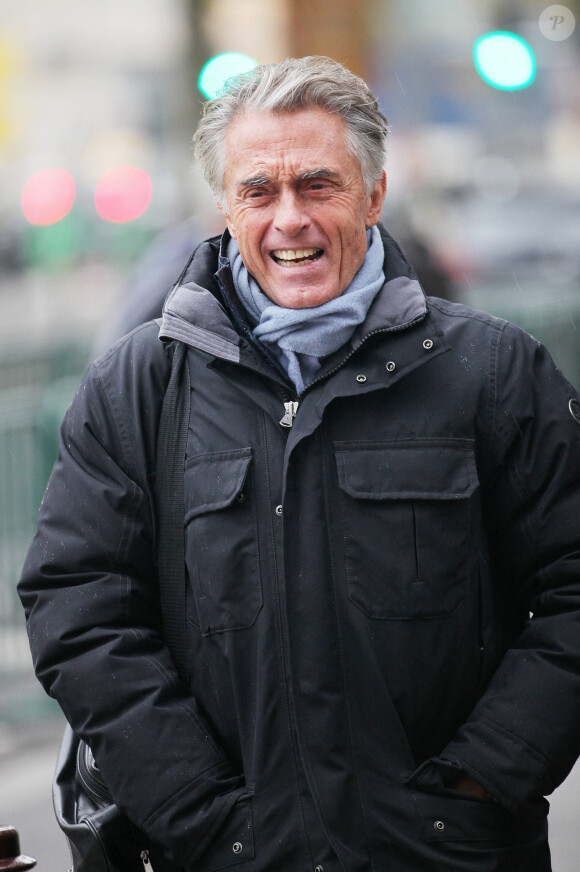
(319,869)
(439,825)
(361,378)
(427,344)
(390,366)
(574,407)
(279,511)
(237,848)
(240,498)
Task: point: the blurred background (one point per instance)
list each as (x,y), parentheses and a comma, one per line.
(100,204)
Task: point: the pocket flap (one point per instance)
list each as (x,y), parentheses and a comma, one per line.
(461,819)
(421,469)
(214,481)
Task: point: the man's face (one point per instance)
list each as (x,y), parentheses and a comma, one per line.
(296,204)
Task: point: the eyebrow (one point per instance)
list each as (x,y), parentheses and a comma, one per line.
(254,181)
(320,173)
(263,179)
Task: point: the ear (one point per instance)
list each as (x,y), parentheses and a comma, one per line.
(376,201)
(229,222)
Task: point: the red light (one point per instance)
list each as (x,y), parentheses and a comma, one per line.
(48,196)
(123,194)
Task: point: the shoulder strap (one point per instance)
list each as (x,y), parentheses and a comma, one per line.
(171,451)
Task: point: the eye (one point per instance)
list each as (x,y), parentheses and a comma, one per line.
(256,194)
(317,185)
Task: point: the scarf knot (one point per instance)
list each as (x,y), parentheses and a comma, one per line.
(300,338)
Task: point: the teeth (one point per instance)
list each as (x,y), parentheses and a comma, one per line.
(300,253)
(292,257)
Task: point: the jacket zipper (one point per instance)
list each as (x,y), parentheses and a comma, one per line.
(290,409)
(146,860)
(291,406)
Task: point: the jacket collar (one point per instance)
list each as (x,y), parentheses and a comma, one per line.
(203,311)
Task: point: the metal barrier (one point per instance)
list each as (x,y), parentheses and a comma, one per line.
(554,319)
(33,400)
(22,478)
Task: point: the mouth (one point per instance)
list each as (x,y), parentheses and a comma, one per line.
(289,258)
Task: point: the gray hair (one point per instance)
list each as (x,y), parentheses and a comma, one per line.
(294,84)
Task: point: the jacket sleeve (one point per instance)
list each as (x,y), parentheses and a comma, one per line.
(90,592)
(522,738)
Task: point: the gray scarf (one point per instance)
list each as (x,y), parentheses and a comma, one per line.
(300,338)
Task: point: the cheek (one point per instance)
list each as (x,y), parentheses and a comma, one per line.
(249,235)
(250,246)
(355,239)
(353,250)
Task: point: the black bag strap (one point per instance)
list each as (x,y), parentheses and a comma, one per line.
(170,502)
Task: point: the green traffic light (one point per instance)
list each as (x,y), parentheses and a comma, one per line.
(220,68)
(504,60)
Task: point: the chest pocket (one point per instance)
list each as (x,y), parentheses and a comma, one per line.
(406,512)
(221,542)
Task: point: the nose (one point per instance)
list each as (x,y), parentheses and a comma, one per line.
(291,217)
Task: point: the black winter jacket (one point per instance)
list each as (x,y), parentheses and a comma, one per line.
(380,595)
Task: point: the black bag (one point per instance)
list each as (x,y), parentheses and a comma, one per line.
(101,837)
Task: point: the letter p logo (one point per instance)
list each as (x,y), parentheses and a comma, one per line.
(557,23)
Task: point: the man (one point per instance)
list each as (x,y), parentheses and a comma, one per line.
(382,549)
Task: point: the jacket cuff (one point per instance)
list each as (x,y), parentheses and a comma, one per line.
(510,771)
(233,843)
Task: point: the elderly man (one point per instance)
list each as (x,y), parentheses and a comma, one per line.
(382,495)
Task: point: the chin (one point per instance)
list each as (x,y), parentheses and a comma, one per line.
(302,299)
(306,297)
